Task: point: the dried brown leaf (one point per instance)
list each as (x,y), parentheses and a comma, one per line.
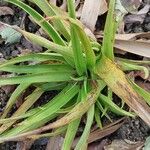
(55,143)
(90,12)
(133,36)
(119,84)
(107,130)
(130,36)
(131,5)
(139,17)
(6,11)
(137,43)
(144,10)
(141,48)
(101,133)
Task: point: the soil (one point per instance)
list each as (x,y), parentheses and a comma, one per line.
(132,129)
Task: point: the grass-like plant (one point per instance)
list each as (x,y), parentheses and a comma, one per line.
(78,68)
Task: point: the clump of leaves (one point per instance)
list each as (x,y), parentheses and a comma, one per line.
(76,66)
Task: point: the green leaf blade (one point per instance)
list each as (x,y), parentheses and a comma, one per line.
(35,69)
(113,107)
(37,78)
(108,39)
(83,140)
(18,91)
(70,135)
(49,11)
(77,51)
(39,20)
(46,113)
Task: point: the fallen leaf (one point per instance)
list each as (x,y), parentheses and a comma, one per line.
(141,48)
(79,11)
(139,17)
(128,36)
(144,10)
(101,133)
(90,12)
(123,145)
(136,43)
(55,143)
(107,130)
(132,36)
(6,11)
(131,5)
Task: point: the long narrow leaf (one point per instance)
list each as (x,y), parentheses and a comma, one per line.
(35,69)
(52,134)
(77,51)
(145,94)
(49,11)
(83,140)
(129,67)
(34,58)
(85,40)
(90,56)
(73,126)
(71,132)
(117,81)
(100,107)
(113,107)
(97,118)
(108,40)
(63,50)
(29,101)
(76,45)
(45,114)
(37,78)
(71,8)
(18,91)
(74,114)
(37,17)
